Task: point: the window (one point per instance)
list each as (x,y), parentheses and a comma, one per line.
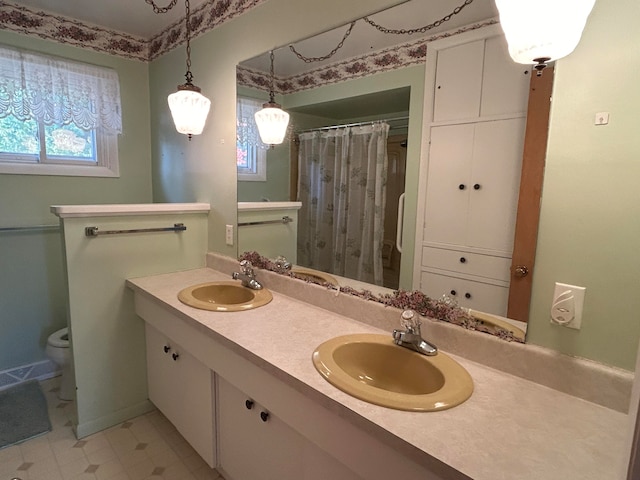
(251,153)
(57,117)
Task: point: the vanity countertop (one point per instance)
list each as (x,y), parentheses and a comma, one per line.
(510,427)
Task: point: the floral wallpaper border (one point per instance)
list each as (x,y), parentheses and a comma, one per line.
(57,28)
(399,56)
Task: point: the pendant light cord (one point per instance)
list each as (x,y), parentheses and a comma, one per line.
(424,29)
(382,29)
(188,75)
(158,9)
(271,78)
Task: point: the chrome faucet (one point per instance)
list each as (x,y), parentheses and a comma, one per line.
(248,276)
(411,337)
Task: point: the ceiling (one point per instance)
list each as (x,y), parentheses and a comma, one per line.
(134,17)
(365,38)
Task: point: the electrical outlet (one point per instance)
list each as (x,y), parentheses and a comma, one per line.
(566,308)
(229,235)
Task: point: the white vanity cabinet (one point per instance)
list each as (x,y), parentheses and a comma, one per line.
(300,439)
(470,174)
(181,387)
(253,442)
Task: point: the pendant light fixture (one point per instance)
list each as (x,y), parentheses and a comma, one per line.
(272,121)
(189,108)
(541,31)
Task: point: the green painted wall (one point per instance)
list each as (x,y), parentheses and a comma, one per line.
(32,293)
(590,220)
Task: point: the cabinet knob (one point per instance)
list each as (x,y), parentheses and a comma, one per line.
(476,186)
(521,271)
(264,416)
(249,404)
(462,186)
(166,348)
(453,292)
(175,356)
(467,295)
(463,260)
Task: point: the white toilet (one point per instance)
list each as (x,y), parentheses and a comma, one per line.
(59,352)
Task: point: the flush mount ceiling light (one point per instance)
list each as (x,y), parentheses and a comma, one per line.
(189,108)
(541,31)
(272,121)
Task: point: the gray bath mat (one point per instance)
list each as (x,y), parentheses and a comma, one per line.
(23,413)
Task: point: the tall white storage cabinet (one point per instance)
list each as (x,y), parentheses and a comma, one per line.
(475,114)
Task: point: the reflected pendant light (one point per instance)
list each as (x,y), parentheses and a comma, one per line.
(189,108)
(541,31)
(272,121)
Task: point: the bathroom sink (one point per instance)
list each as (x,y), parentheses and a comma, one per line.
(224,296)
(374,369)
(314,275)
(493,323)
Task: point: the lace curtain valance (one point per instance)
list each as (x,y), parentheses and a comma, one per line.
(57,91)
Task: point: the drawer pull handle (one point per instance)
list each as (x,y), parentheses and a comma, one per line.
(467,295)
(166,348)
(249,404)
(175,356)
(463,260)
(462,186)
(264,416)
(476,186)
(453,292)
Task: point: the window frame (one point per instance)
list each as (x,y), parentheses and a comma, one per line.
(257,171)
(106,163)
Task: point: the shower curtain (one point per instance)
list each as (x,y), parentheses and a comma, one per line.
(341,183)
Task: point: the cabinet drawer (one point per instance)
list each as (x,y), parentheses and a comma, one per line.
(469,294)
(469,263)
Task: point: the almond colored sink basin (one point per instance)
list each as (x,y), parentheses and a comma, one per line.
(493,322)
(374,369)
(224,296)
(314,275)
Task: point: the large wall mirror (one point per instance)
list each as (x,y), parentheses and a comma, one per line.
(385,82)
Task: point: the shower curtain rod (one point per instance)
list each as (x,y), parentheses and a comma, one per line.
(357,124)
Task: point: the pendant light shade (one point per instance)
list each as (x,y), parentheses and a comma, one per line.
(189,109)
(272,123)
(539,31)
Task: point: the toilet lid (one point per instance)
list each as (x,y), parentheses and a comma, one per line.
(59,339)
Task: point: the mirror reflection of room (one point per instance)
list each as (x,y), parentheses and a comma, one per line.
(354,224)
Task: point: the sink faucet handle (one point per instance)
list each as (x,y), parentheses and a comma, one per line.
(247,268)
(410,321)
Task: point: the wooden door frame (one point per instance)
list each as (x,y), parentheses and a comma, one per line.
(531,179)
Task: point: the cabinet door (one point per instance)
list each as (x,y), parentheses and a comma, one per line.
(458,82)
(505,83)
(180,386)
(495,184)
(448,174)
(469,294)
(251,448)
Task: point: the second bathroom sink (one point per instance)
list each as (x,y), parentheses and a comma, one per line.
(374,369)
(224,296)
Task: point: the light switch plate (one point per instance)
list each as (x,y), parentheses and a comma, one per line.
(229,235)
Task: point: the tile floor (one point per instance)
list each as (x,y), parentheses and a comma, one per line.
(145,448)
